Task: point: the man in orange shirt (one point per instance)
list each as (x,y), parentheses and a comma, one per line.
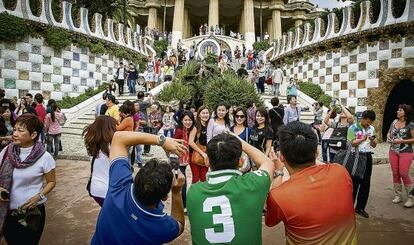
(315,204)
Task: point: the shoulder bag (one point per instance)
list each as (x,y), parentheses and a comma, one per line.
(353,161)
(196,157)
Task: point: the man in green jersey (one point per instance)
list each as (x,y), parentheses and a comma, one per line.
(227,208)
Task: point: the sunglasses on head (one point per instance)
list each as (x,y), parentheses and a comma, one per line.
(240,116)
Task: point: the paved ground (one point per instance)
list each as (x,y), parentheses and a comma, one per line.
(71,213)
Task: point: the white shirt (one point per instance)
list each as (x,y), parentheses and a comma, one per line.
(100,176)
(277,76)
(28,182)
(121,73)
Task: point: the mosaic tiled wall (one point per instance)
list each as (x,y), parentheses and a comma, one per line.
(31,66)
(349,75)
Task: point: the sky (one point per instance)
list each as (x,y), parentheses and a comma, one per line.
(330,4)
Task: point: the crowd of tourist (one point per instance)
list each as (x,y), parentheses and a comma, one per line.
(244,163)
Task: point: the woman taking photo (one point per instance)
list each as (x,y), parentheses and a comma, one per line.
(262,134)
(24,167)
(241,129)
(97,137)
(198,142)
(219,123)
(401,137)
(185,125)
(53,130)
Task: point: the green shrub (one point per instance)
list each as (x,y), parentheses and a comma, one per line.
(160,46)
(97,48)
(262,45)
(177,90)
(311,90)
(69,102)
(231,90)
(211,59)
(57,38)
(325,99)
(12,28)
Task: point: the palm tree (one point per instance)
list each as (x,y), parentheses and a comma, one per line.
(129,8)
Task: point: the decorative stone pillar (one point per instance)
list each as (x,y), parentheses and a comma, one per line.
(152,6)
(276,8)
(213,13)
(241,24)
(178,22)
(249,33)
(270,29)
(186,26)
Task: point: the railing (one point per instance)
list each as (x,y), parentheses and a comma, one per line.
(301,38)
(133,40)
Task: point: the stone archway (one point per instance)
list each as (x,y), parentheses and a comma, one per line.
(378,97)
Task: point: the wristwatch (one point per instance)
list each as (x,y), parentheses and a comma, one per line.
(162,140)
(278,173)
(42,197)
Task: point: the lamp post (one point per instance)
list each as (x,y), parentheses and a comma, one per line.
(165,15)
(261,20)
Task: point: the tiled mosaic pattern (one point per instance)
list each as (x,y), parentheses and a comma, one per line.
(30,67)
(348,75)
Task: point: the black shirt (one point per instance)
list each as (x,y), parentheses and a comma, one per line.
(259,136)
(276,115)
(241,72)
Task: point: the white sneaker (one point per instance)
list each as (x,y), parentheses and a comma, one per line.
(409,203)
(397,199)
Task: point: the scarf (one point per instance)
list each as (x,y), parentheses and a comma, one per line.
(10,161)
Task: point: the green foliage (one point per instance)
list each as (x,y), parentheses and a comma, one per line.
(57,38)
(177,90)
(325,99)
(262,45)
(57,10)
(160,46)
(231,90)
(211,59)
(12,29)
(68,102)
(311,90)
(97,48)
(375,8)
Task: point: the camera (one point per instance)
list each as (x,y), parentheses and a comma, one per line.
(5,195)
(175,164)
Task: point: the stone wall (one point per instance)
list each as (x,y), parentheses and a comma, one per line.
(349,75)
(31,66)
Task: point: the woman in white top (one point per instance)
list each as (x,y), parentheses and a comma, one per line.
(98,137)
(219,123)
(24,166)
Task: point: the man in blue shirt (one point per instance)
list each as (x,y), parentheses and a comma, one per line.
(133,212)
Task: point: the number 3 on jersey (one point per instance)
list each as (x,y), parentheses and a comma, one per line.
(225,219)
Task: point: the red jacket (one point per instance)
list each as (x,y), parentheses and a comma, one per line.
(41,112)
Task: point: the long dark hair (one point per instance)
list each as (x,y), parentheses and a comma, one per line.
(244,113)
(265,114)
(54,107)
(180,121)
(98,135)
(408,111)
(198,119)
(226,117)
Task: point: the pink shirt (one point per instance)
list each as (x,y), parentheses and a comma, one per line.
(54,127)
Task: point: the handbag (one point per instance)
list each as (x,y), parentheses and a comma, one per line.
(354,162)
(196,157)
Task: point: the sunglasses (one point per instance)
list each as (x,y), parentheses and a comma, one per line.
(240,116)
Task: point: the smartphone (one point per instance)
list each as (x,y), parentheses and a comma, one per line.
(175,164)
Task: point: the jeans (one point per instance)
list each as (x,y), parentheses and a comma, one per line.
(260,85)
(276,90)
(15,233)
(362,186)
(131,86)
(120,83)
(171,130)
(53,140)
(400,166)
(138,155)
(184,188)
(250,64)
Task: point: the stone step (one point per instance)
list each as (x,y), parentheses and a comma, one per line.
(72,131)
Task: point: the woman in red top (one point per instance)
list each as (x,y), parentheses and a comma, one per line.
(185,125)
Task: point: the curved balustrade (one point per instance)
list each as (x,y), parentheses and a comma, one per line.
(132,41)
(292,41)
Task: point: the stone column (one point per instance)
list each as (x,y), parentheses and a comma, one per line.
(249,32)
(277,7)
(178,22)
(241,24)
(152,6)
(213,13)
(298,22)
(270,29)
(185,27)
